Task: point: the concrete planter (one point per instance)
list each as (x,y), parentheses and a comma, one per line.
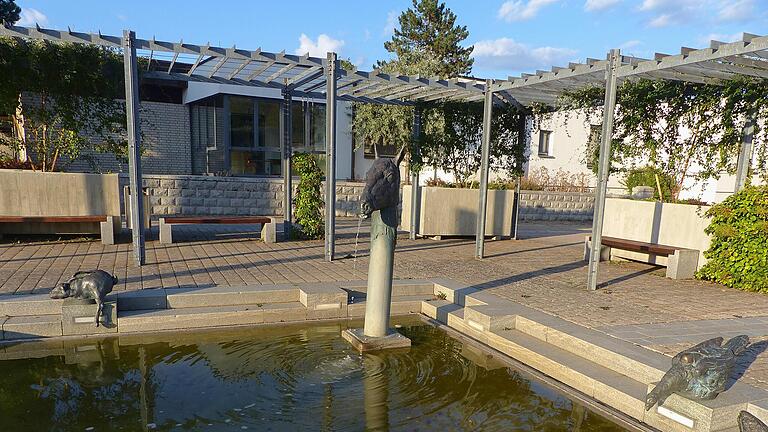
(453,212)
(30,193)
(680,225)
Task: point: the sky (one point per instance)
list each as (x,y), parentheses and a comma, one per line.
(509,37)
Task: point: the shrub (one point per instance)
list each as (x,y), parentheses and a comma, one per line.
(646,176)
(308,202)
(540,179)
(738,256)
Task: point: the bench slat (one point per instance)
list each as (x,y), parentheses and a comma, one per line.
(51,219)
(217,220)
(638,246)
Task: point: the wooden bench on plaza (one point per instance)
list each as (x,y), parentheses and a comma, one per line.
(269,225)
(681,262)
(109,226)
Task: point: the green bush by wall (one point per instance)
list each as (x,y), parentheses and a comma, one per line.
(308,202)
(646,176)
(738,256)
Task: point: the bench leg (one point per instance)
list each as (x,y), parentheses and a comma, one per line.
(605,251)
(269,232)
(166,233)
(682,264)
(108,231)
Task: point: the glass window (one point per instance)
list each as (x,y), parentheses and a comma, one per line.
(317,125)
(256,162)
(269,124)
(545,143)
(297,125)
(241,119)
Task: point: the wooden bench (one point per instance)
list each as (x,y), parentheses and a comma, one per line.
(269,230)
(108,225)
(681,262)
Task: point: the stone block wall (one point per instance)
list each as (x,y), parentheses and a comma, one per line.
(556,206)
(230,196)
(233,196)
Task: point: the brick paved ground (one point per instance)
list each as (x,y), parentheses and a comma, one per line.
(544,270)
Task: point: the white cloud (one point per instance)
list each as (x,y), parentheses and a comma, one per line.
(319,48)
(30,17)
(662,20)
(667,12)
(740,10)
(511,56)
(630,44)
(389,27)
(720,37)
(597,5)
(520,10)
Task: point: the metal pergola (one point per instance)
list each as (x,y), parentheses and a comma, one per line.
(721,61)
(296,77)
(323,78)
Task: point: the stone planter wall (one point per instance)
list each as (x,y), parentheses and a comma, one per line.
(556,206)
(680,225)
(230,196)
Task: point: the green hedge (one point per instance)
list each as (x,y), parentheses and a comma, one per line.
(646,176)
(308,202)
(738,256)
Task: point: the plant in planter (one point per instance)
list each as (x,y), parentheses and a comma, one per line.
(738,256)
(308,202)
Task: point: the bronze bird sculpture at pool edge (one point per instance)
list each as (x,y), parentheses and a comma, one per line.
(700,372)
(87,285)
(750,423)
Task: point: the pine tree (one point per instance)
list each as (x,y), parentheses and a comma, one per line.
(9,12)
(428,38)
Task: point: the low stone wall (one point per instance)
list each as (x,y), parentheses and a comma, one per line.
(556,206)
(230,196)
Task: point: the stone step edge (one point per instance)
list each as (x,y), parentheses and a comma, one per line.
(640,363)
(709,413)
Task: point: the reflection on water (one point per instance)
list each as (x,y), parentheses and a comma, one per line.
(291,378)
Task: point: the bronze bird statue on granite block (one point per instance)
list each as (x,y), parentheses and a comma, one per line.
(700,372)
(750,423)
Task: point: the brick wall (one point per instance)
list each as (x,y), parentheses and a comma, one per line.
(166,140)
(556,206)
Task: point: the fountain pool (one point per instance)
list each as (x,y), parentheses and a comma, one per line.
(274,378)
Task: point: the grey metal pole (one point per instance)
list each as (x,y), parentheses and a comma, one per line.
(522,131)
(330,155)
(745,153)
(287,149)
(134,143)
(485,154)
(614,61)
(415,189)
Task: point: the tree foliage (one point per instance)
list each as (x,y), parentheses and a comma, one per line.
(428,43)
(678,126)
(738,256)
(9,12)
(308,202)
(430,27)
(71,92)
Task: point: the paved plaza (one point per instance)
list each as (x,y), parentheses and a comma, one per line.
(543,270)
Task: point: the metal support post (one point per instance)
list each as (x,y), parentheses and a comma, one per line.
(486,150)
(287,121)
(522,135)
(134,144)
(745,153)
(330,157)
(415,189)
(614,61)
